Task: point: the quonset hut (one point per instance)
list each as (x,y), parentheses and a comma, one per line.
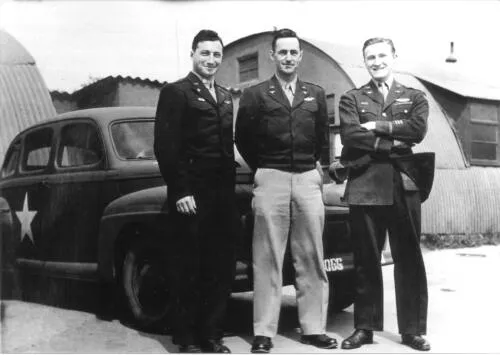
(24,97)
(463,126)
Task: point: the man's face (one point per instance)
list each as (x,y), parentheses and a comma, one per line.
(207,58)
(379,60)
(287,55)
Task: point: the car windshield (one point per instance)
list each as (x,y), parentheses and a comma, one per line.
(134,139)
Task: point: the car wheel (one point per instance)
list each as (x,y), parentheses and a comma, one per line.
(342,291)
(144,284)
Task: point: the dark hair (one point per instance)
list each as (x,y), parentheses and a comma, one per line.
(283,33)
(374,40)
(205,35)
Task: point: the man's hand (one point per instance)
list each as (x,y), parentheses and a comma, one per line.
(369,125)
(186,205)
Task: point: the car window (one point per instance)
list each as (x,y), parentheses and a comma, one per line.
(37,149)
(11,160)
(80,145)
(134,139)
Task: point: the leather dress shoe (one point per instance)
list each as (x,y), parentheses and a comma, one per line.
(321,341)
(214,346)
(416,342)
(261,345)
(190,348)
(358,338)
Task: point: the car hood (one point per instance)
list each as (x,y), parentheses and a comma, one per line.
(154,200)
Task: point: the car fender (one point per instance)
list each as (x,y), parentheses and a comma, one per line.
(139,208)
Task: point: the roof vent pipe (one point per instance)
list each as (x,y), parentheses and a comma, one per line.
(451,58)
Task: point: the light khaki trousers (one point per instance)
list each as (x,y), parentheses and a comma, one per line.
(288,206)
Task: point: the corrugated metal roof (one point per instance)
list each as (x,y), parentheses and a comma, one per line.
(24,98)
(463,201)
(451,78)
(12,51)
(115,79)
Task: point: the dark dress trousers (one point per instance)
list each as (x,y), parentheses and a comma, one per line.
(382,199)
(194,148)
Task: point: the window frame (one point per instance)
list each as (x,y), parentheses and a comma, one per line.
(50,161)
(248,57)
(483,122)
(16,145)
(112,140)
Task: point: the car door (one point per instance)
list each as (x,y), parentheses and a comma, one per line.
(25,190)
(75,198)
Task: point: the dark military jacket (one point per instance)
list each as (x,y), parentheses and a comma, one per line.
(271,133)
(192,131)
(403,117)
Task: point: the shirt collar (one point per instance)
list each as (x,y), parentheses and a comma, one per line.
(388,82)
(208,83)
(284,83)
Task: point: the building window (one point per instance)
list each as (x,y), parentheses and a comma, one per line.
(483,141)
(484,132)
(248,67)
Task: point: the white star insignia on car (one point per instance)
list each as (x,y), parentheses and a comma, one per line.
(25,218)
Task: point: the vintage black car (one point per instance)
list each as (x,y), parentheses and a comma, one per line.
(81,197)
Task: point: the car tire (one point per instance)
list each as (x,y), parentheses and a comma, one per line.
(144,284)
(342,291)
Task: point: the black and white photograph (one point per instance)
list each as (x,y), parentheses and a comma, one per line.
(283,176)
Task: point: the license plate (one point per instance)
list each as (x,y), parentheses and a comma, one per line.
(338,263)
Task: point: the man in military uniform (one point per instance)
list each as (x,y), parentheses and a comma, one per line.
(194,147)
(280,129)
(380,122)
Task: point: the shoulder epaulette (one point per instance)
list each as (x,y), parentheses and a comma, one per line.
(224,88)
(262,83)
(313,84)
(356,89)
(413,89)
(181,80)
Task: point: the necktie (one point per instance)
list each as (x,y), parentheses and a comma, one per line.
(289,93)
(384,90)
(211,88)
